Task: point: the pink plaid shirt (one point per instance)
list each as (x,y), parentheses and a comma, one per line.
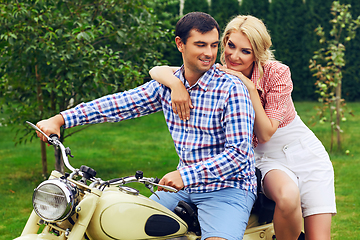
(275,89)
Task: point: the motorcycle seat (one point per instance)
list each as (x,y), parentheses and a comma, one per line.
(189,215)
(263,206)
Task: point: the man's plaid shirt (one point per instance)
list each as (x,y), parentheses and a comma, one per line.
(214,146)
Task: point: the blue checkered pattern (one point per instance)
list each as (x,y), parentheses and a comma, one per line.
(214,146)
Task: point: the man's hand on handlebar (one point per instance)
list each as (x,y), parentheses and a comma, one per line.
(172,179)
(50,126)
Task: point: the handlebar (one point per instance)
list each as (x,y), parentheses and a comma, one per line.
(54,140)
(144,180)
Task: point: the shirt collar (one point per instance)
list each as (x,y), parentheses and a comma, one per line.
(202,82)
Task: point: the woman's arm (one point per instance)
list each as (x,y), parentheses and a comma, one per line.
(180,99)
(264,126)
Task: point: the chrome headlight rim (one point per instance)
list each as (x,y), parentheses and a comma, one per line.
(68,193)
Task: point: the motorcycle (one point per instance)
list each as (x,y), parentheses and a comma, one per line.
(80,206)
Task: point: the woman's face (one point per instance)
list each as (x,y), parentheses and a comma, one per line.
(239,55)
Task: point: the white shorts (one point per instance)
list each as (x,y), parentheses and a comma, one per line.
(307,163)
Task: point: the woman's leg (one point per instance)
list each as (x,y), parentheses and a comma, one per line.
(318,227)
(279,187)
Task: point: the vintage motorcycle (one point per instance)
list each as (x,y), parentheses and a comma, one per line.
(78,206)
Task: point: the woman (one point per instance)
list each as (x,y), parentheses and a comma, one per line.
(296,169)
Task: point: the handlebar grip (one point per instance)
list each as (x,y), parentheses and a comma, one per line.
(156,180)
(54,137)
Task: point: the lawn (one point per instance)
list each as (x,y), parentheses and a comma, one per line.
(120,149)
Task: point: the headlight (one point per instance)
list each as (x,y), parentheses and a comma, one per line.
(55,199)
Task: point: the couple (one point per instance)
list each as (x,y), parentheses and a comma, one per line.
(214,139)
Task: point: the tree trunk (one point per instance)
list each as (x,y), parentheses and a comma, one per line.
(41,109)
(59,163)
(338,114)
(332,129)
(43,159)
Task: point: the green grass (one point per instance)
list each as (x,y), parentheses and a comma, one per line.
(120,149)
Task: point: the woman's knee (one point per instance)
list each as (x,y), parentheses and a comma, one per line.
(282,190)
(288,199)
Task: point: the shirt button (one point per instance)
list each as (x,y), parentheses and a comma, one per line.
(285,148)
(186,130)
(183,149)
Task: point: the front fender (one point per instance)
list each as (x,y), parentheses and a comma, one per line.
(41,236)
(27,237)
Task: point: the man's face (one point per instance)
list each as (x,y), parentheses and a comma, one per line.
(199,53)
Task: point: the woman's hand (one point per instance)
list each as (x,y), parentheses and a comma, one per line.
(248,83)
(180,101)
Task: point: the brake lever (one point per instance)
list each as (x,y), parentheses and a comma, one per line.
(151,188)
(171,189)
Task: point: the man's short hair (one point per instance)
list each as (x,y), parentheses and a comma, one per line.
(199,21)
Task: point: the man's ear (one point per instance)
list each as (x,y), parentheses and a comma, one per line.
(179,44)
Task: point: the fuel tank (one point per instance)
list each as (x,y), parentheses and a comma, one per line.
(123,213)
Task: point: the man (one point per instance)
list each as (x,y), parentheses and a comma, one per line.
(216,170)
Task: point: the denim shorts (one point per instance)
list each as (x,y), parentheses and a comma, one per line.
(223,213)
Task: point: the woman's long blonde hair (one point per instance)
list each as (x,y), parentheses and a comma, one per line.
(255,30)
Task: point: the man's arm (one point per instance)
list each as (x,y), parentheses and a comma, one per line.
(116,107)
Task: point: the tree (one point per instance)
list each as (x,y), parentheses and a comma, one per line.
(196,6)
(328,62)
(224,10)
(287,24)
(55,54)
(351,71)
(167,11)
(259,8)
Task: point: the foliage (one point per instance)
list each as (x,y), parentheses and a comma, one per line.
(287,23)
(167,11)
(224,10)
(328,62)
(259,8)
(55,53)
(196,6)
(351,72)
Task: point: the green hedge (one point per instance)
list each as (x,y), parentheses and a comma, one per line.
(291,24)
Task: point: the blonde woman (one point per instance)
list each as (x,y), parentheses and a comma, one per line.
(297,172)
